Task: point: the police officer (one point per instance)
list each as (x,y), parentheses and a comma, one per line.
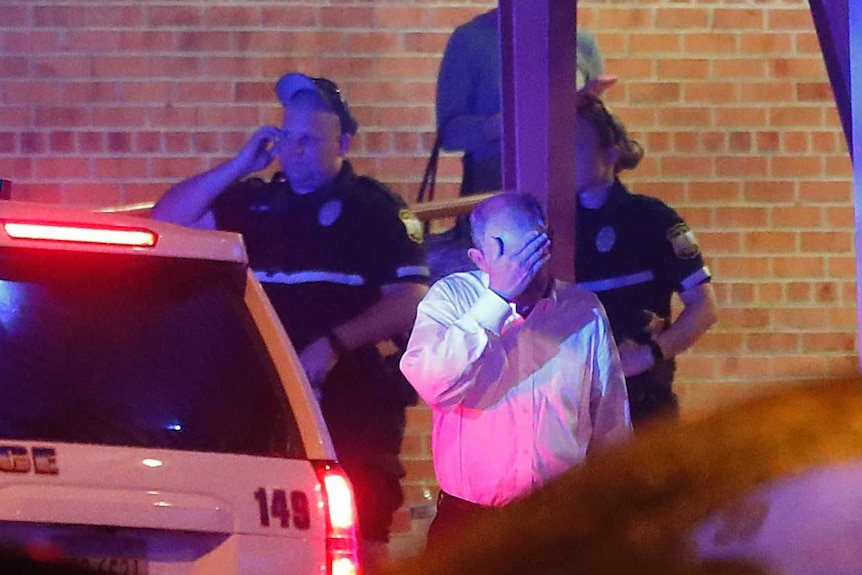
(634,252)
(342,261)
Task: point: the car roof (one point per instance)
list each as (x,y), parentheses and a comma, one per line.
(169,240)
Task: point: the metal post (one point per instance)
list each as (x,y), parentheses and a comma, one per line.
(538,109)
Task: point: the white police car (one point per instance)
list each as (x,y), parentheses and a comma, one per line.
(154,418)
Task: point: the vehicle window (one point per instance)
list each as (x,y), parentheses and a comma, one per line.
(136,351)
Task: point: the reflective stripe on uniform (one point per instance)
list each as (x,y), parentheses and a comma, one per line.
(408,271)
(696,278)
(307,277)
(618,282)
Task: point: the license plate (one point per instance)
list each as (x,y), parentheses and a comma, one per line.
(111,565)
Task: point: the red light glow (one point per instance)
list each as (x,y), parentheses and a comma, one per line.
(80,234)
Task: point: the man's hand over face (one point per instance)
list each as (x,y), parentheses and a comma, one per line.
(511,272)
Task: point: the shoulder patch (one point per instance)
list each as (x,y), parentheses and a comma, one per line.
(414,227)
(682,240)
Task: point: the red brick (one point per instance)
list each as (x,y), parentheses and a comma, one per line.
(59,16)
(710,43)
(90,141)
(769,192)
(681,18)
(799,292)
(91,41)
(683,69)
(738,19)
(828,242)
(114,16)
(375,42)
(825,191)
(91,195)
(62,142)
(297,16)
(347,16)
(626,18)
(797,217)
(125,117)
(789,19)
(741,68)
(178,142)
(203,41)
(168,15)
(143,92)
(710,92)
(795,142)
(786,167)
(658,44)
(731,166)
(403,17)
(91,92)
(54,117)
(766,92)
(13,16)
(176,168)
(125,167)
(232,16)
(216,92)
(34,93)
(56,168)
(140,40)
(175,67)
(766,43)
(769,242)
(800,68)
(31,42)
(654,92)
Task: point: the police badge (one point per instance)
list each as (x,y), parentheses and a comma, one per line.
(605,239)
(414,227)
(682,240)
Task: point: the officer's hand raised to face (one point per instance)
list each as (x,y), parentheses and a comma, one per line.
(260,150)
(511,271)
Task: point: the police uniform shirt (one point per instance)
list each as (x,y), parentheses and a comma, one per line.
(322,257)
(634,252)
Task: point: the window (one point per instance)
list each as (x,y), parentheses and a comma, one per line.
(136,351)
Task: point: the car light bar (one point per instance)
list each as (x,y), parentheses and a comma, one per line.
(81,234)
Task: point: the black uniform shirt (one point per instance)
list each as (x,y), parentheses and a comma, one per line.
(634,252)
(322,257)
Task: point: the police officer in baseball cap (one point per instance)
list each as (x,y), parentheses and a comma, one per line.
(342,261)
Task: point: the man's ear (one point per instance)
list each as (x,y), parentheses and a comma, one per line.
(344,144)
(478,258)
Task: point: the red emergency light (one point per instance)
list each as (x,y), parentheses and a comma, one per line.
(77,233)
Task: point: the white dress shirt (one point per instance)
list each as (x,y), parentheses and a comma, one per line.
(516,401)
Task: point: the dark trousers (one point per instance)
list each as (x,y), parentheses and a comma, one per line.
(453,514)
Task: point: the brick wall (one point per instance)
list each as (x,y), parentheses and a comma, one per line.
(110,101)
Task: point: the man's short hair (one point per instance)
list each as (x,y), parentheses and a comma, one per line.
(291,84)
(508,201)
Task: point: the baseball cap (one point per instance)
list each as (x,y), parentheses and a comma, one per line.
(294,82)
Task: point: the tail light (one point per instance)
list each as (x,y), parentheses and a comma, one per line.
(342,525)
(135,237)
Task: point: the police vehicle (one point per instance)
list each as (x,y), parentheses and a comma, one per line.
(154,418)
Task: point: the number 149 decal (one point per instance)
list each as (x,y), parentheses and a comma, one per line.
(284,508)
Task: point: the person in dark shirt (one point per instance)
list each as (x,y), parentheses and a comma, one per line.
(635,252)
(341,258)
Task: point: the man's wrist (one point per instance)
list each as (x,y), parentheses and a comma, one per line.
(502,296)
(335,342)
(655,351)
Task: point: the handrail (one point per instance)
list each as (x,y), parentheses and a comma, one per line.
(425,211)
